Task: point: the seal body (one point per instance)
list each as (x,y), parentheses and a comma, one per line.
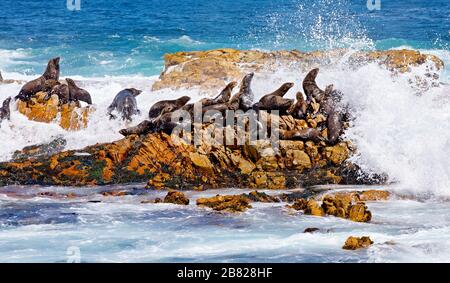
(223,97)
(304,135)
(5,112)
(77,93)
(62,91)
(310,87)
(158,107)
(243,100)
(162,123)
(275,100)
(299,109)
(39,84)
(125,103)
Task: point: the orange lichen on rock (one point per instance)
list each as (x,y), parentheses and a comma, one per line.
(69,116)
(211,70)
(176,198)
(354,243)
(231,203)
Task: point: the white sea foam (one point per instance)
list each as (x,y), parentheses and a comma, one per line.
(396,131)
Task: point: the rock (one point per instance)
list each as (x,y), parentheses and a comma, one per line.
(374,195)
(311,230)
(69,116)
(230,203)
(354,243)
(42,150)
(176,198)
(114,193)
(211,70)
(298,159)
(313,208)
(338,154)
(359,213)
(201,161)
(261,197)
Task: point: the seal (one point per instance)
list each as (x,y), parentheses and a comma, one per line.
(303,135)
(77,93)
(223,97)
(5,112)
(161,123)
(299,109)
(62,91)
(310,87)
(157,108)
(36,85)
(244,98)
(331,107)
(125,103)
(275,100)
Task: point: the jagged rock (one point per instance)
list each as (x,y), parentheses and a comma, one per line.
(374,195)
(211,70)
(42,150)
(338,153)
(176,198)
(69,116)
(354,243)
(359,213)
(313,208)
(232,203)
(114,193)
(261,197)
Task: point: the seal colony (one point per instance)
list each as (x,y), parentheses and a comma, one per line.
(320,105)
(324,107)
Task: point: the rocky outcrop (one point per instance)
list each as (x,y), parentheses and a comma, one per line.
(176,198)
(232,203)
(354,243)
(70,116)
(347,205)
(165,163)
(211,70)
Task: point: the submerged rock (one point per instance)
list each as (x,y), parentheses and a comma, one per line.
(354,243)
(231,203)
(176,198)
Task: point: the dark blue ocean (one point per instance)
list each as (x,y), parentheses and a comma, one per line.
(130,37)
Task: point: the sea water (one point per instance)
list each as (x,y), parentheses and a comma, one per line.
(111,45)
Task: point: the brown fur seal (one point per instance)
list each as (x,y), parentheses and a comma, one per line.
(275,100)
(244,98)
(298,110)
(310,87)
(223,97)
(125,103)
(158,107)
(5,112)
(36,85)
(160,123)
(77,93)
(62,91)
(331,107)
(304,135)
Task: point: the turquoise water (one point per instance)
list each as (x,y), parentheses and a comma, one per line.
(108,38)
